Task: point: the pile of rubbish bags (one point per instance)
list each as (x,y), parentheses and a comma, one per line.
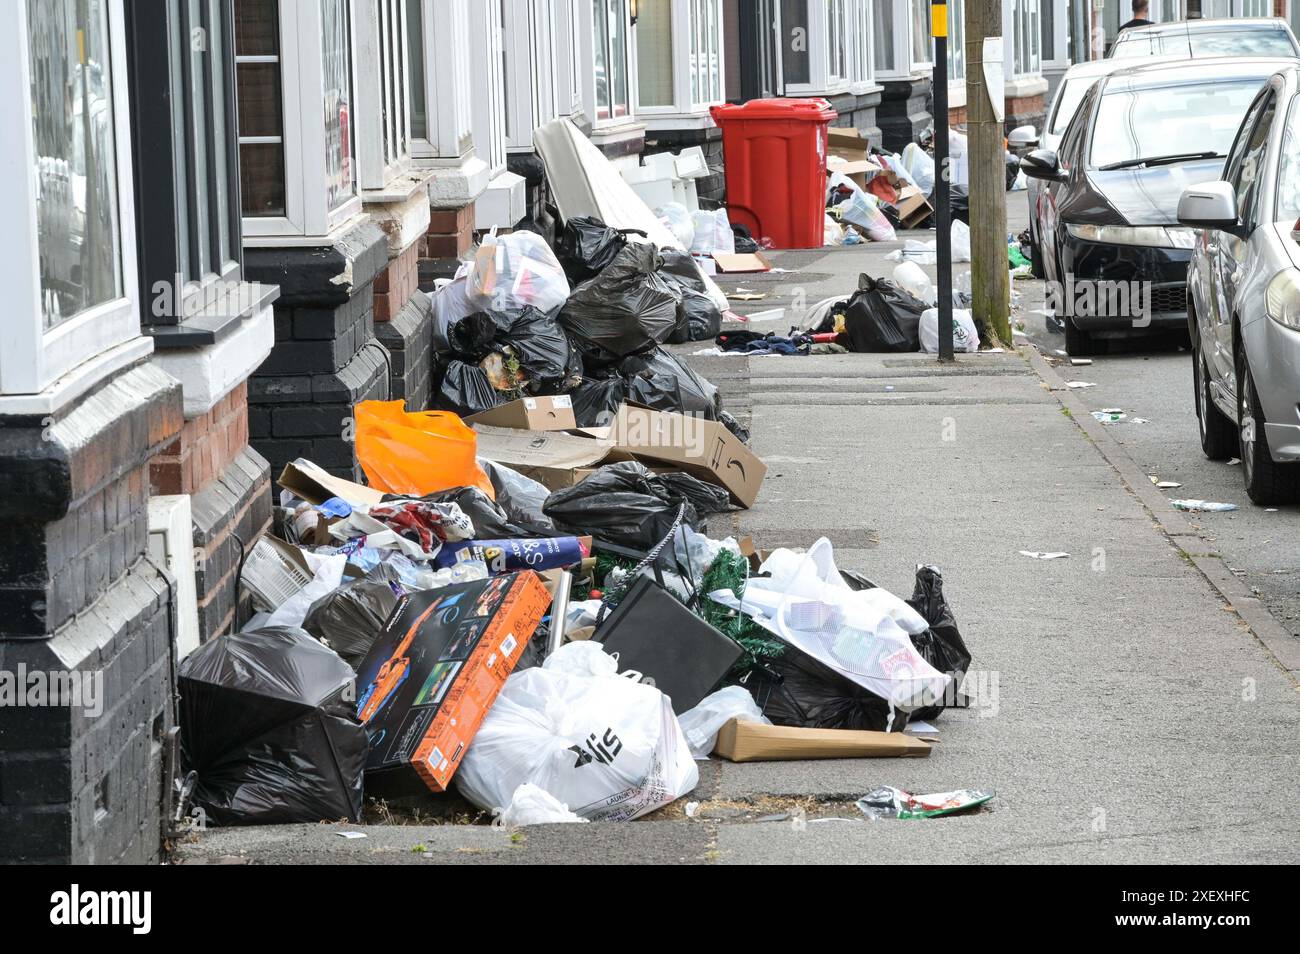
(586,318)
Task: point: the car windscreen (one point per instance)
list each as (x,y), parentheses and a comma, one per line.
(1067,103)
(1267,41)
(1175,120)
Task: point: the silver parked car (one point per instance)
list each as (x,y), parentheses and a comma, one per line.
(1226,36)
(1243,297)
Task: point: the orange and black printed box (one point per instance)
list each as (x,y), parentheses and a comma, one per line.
(435,670)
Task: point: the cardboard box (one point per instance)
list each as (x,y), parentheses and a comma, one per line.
(316,485)
(435,670)
(913,207)
(553,413)
(846,142)
(552,458)
(754,742)
(704,449)
(737,263)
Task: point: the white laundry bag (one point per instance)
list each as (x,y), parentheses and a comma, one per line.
(712,233)
(964,336)
(608,747)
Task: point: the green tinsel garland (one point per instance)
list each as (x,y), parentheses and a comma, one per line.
(729,572)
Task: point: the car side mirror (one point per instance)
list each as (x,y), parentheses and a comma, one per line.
(1043,164)
(1022,139)
(1211,205)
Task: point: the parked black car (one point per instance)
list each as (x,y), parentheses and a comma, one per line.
(1112,250)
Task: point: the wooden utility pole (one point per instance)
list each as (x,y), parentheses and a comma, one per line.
(990,281)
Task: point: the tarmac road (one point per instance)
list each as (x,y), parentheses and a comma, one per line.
(1150,377)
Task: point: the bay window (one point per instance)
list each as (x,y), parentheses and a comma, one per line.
(182,106)
(438,68)
(294,71)
(902,37)
(609,78)
(957,44)
(383,107)
(679,59)
(828,45)
(532,75)
(569,55)
(1026,37)
(66,195)
(487,83)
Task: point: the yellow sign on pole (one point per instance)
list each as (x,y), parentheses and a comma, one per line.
(938,19)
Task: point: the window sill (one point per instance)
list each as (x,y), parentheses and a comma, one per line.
(399,188)
(216,321)
(1020,87)
(78,381)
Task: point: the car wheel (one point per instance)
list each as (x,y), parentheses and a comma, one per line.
(1218,436)
(1267,482)
(1079,343)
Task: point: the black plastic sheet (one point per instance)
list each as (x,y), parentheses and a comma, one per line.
(266,728)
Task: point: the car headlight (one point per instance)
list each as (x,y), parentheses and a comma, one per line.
(1282,300)
(1150,236)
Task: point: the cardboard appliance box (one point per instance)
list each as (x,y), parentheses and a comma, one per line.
(554,413)
(316,485)
(435,670)
(704,449)
(847,143)
(755,742)
(552,458)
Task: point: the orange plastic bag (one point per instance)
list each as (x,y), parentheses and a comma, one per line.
(416,453)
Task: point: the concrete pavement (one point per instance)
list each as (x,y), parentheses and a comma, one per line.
(1125,712)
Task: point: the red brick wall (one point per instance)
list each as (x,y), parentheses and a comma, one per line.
(205,447)
(397,282)
(451,232)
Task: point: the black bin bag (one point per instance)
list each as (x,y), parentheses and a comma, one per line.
(586,246)
(266,727)
(698,318)
(465,389)
(941,645)
(883,317)
(351,616)
(660,381)
(628,307)
(629,505)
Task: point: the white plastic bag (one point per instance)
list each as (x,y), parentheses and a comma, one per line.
(863,634)
(910,276)
(712,233)
(702,724)
(960,241)
(863,210)
(832,232)
(920,166)
(965,339)
(678,219)
(327,575)
(510,271)
(608,747)
(532,806)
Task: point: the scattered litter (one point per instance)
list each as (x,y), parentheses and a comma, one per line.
(1079,362)
(755,742)
(1234,462)
(890,802)
(1076,385)
(1040,555)
(351,834)
(531,805)
(1163,484)
(691,808)
(1111,415)
(1201,506)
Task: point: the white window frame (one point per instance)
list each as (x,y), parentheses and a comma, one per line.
(570,57)
(307,214)
(920,66)
(487,84)
(689,35)
(588,42)
(532,69)
(33,359)
(382,93)
(1023,32)
(446,49)
(856,70)
(1061,37)
(901,28)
